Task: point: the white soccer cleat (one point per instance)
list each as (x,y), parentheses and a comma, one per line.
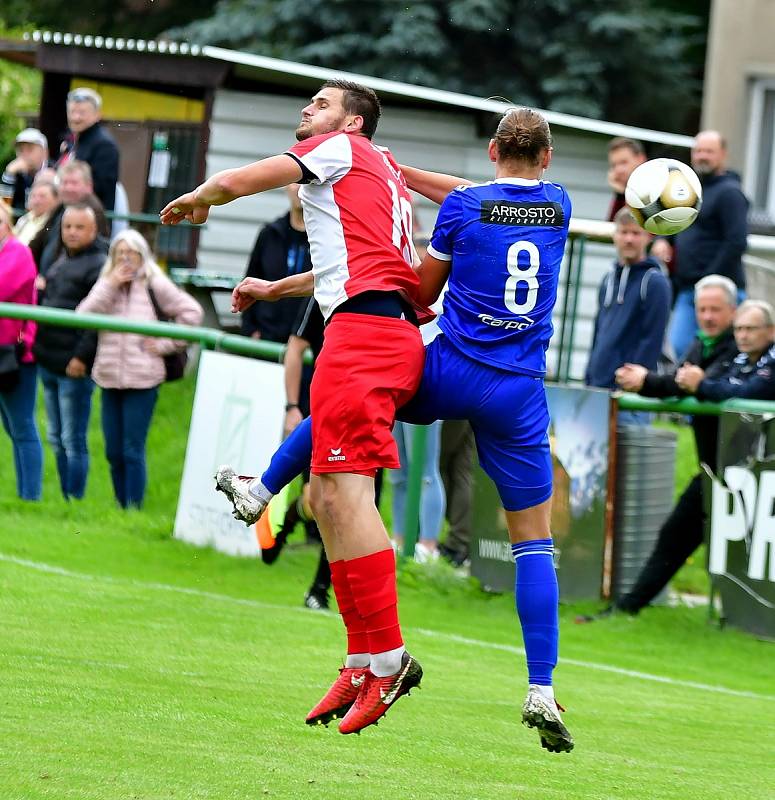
(247,507)
(543,714)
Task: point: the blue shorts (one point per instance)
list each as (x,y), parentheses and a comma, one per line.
(507,410)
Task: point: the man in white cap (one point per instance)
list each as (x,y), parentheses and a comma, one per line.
(31,159)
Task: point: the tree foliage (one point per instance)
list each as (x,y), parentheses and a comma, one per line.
(128,18)
(638,62)
(19,98)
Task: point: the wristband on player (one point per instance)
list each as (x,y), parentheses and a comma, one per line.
(289,406)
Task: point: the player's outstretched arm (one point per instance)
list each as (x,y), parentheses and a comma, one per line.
(248,290)
(433,274)
(228,185)
(433,185)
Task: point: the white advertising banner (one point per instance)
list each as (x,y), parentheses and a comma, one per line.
(237,419)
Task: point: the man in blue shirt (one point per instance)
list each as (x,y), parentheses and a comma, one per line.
(633,309)
(500,245)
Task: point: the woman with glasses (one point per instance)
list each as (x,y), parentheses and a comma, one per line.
(129,367)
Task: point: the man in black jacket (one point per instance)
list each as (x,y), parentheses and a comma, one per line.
(88,141)
(281,249)
(65,355)
(715,243)
(712,351)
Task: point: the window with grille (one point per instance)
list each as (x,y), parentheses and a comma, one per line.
(760,156)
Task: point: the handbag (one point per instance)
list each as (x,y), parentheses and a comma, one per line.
(174,363)
(10,362)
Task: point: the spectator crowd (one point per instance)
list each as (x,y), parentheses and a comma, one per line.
(684,330)
(59,254)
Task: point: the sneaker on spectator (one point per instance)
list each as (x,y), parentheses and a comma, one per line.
(456,558)
(543,714)
(609,611)
(377,695)
(424,554)
(338,700)
(247,507)
(316,599)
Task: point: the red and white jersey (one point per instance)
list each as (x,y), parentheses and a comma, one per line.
(358,217)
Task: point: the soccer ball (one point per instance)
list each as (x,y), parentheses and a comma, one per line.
(664,196)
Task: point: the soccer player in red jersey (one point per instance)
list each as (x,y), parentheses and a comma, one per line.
(358,218)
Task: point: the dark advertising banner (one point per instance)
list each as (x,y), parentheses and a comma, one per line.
(740,528)
(579,437)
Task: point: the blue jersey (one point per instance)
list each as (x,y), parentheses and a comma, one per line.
(506,240)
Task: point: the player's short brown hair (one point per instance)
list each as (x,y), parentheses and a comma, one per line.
(360,100)
(633,145)
(522,135)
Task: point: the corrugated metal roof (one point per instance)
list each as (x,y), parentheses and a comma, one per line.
(266,67)
(114,43)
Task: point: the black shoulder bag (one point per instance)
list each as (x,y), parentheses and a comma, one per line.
(174,363)
(10,364)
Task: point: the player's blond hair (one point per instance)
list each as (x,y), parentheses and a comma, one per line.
(523,135)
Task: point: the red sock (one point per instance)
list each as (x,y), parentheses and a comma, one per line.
(373,585)
(357,642)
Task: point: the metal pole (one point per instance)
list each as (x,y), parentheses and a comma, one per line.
(414,488)
(207,337)
(576,286)
(566,295)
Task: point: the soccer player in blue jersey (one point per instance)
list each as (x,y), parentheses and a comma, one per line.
(499,245)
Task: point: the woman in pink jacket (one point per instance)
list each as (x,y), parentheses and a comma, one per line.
(129,367)
(17,405)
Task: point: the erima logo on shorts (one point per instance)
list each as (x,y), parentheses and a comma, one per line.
(507,212)
(336,454)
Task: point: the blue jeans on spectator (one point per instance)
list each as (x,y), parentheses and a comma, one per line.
(126,418)
(17,410)
(68,405)
(634,418)
(432,499)
(683,323)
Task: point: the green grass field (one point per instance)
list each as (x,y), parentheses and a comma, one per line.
(134,666)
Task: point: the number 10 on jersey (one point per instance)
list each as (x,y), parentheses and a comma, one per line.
(402,223)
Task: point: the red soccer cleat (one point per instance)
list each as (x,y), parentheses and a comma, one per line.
(378,694)
(338,699)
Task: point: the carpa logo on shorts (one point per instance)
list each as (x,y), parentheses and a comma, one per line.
(507,324)
(336,454)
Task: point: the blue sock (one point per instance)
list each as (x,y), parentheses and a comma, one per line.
(291,458)
(537,597)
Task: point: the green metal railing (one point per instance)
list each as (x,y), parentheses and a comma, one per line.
(692,406)
(212,339)
(230,343)
(207,337)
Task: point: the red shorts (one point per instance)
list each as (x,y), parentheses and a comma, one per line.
(369,366)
